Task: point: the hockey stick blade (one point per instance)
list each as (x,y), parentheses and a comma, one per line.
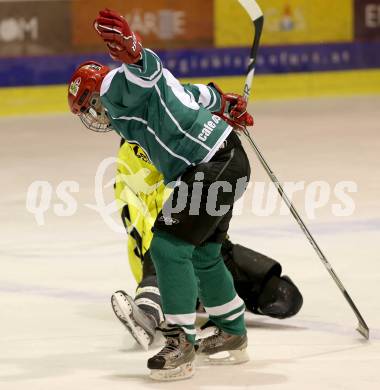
(254,11)
(363,330)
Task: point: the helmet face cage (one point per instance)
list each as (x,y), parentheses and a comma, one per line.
(95,117)
(84,97)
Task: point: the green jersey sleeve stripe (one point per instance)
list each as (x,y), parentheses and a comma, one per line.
(192,90)
(147,75)
(133,118)
(158,62)
(177,124)
(167,148)
(180,92)
(159,69)
(213,99)
(149,67)
(191,96)
(151,77)
(204,97)
(140,81)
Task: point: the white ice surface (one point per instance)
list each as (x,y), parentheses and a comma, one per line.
(57,327)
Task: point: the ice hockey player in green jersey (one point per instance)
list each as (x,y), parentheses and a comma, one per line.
(140,193)
(190,140)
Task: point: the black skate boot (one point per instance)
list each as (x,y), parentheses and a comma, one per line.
(222,348)
(141,325)
(175,360)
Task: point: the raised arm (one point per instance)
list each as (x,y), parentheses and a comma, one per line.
(141,68)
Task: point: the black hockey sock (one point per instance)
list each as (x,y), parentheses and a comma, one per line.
(148,299)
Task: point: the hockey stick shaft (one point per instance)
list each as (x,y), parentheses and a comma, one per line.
(362,327)
(258,20)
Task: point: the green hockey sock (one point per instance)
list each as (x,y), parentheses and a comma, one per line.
(176,280)
(217,291)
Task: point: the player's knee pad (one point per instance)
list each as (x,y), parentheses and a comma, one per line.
(280,298)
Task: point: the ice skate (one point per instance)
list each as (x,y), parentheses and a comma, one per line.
(176,360)
(138,323)
(222,348)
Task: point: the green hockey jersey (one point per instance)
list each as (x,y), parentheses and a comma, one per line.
(171,122)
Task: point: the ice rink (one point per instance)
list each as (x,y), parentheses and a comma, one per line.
(57,327)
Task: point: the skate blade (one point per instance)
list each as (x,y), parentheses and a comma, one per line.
(123,311)
(184,371)
(223,358)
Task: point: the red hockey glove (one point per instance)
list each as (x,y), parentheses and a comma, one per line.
(234,109)
(122,43)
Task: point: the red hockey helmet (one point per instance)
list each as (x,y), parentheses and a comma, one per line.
(84,95)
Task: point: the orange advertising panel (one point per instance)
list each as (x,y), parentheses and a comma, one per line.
(161,23)
(32,28)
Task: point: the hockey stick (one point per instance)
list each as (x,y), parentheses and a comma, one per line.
(257,17)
